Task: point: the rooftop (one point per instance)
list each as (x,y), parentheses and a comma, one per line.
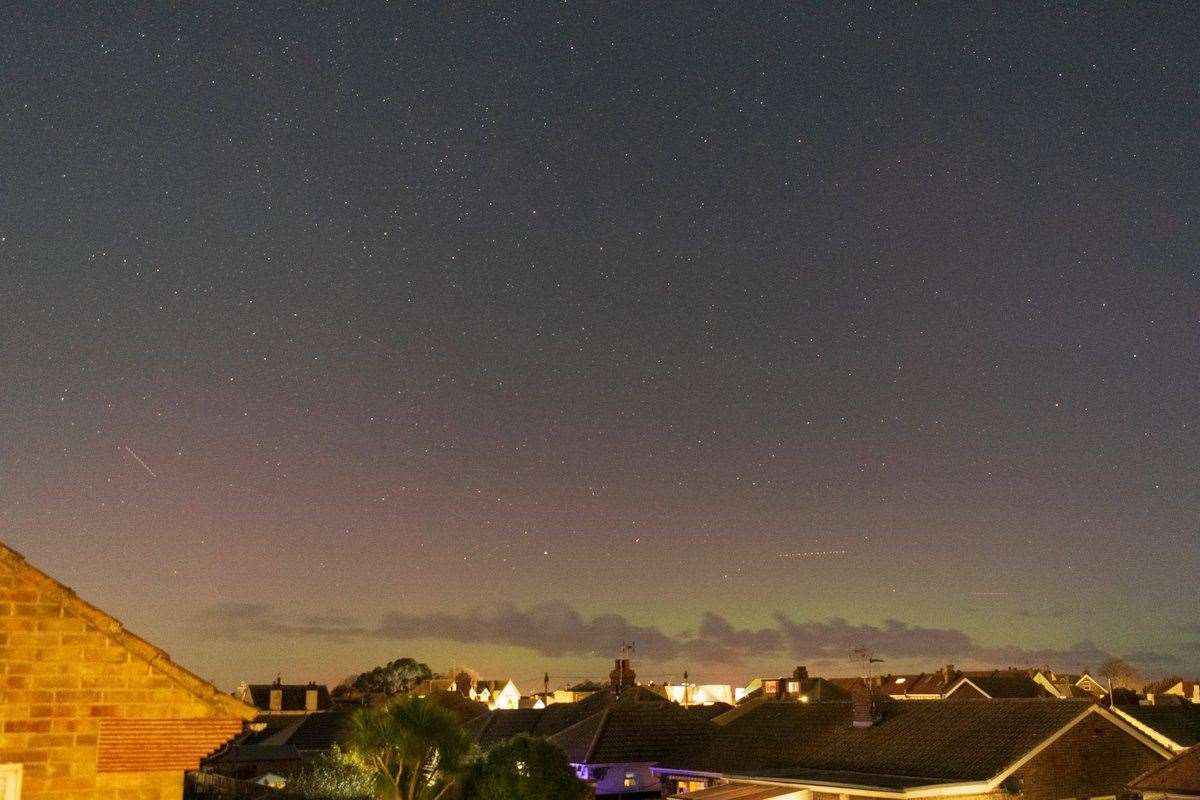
(933,742)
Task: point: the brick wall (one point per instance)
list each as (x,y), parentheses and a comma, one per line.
(66,670)
(1095,758)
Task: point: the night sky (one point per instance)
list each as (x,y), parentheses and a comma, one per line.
(333,333)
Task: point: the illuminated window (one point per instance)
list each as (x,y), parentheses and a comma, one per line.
(793,687)
(630,780)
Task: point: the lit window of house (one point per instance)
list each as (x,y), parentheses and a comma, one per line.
(630,780)
(793,687)
(10,781)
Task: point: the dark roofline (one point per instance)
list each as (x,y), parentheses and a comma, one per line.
(992,782)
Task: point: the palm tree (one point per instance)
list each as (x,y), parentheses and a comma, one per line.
(414,748)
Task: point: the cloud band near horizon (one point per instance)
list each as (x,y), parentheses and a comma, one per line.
(559,630)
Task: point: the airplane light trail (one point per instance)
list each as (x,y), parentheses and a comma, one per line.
(139,460)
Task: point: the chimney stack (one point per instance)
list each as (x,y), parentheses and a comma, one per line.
(864,705)
(947,671)
(800,673)
(622,676)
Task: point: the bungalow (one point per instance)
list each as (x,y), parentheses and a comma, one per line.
(1036,749)
(89,709)
(1177,779)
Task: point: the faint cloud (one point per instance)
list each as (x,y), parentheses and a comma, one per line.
(245,621)
(1151,657)
(549,630)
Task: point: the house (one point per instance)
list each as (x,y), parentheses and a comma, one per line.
(1189,690)
(1035,749)
(691,694)
(281,698)
(922,686)
(278,743)
(1177,779)
(615,749)
(1065,686)
(611,739)
(495,693)
(996,684)
(501,724)
(252,761)
(91,710)
(948,680)
(1091,685)
(1176,727)
(799,686)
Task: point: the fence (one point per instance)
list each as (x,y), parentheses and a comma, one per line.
(209,786)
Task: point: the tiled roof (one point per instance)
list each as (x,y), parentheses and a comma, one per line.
(1179,723)
(294,696)
(111,627)
(966,740)
(141,745)
(269,725)
(925,683)
(1179,775)
(710,711)
(464,708)
(251,753)
(502,724)
(316,732)
(505,723)
(1008,684)
(628,733)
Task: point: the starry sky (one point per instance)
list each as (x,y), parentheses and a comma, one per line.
(753,333)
